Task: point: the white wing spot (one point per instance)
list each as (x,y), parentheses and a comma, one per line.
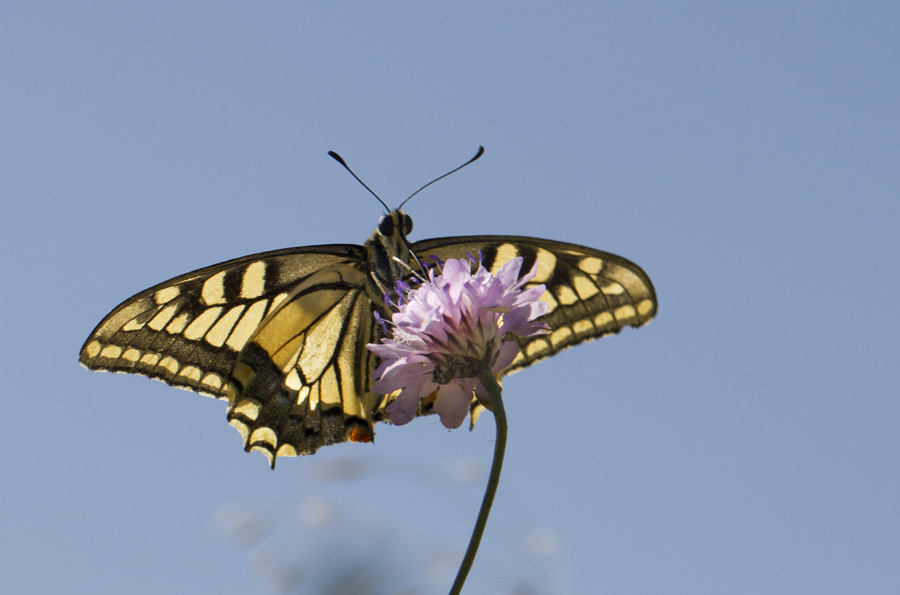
(254,281)
(214,290)
(167,294)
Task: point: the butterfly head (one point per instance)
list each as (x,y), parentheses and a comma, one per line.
(395,222)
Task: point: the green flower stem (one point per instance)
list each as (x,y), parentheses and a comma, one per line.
(489,380)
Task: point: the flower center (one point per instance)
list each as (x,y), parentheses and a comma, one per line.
(455,365)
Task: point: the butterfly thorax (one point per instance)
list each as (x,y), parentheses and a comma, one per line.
(389,259)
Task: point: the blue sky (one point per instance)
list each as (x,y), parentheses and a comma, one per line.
(744,154)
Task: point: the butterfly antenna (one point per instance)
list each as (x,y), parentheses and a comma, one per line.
(340,160)
(477,155)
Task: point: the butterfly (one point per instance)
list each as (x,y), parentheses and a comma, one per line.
(281,335)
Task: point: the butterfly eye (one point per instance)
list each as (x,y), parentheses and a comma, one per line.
(407,224)
(386,226)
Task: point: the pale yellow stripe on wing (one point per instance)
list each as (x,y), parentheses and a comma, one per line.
(321,340)
(167,294)
(264,434)
(285,326)
(92,348)
(131,354)
(111,352)
(212,381)
(624,313)
(546,262)
(192,373)
(551,301)
(247,325)
(213,292)
(591,265)
(178,324)
(566,296)
(248,408)
(150,359)
(221,329)
(200,325)
(560,335)
(584,287)
(612,288)
(505,252)
(328,386)
(253,283)
(644,307)
(162,317)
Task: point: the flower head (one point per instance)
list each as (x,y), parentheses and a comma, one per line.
(450,328)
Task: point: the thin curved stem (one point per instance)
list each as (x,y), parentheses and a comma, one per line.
(489,380)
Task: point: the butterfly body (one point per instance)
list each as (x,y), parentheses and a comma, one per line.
(281,335)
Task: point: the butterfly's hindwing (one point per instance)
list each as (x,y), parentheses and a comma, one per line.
(303,379)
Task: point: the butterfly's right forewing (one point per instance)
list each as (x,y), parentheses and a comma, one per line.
(591,293)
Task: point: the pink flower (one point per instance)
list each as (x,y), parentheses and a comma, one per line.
(450,328)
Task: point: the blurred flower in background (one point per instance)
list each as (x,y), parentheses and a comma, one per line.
(335,541)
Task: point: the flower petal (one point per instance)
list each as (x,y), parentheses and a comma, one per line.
(452,404)
(506,354)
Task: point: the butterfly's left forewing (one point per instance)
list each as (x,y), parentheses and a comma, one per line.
(190,331)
